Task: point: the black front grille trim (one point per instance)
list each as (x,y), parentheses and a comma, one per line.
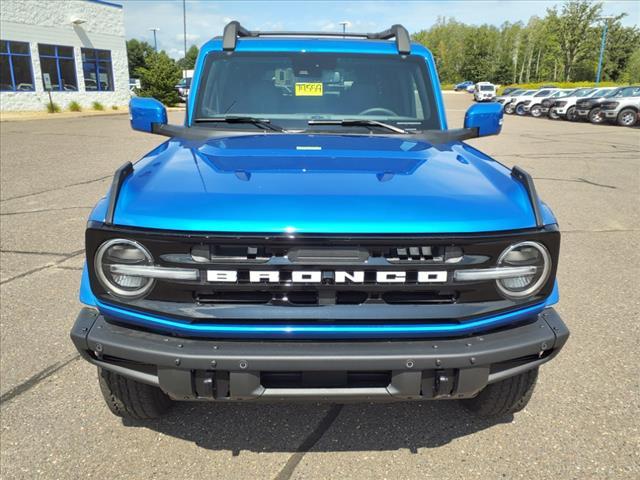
(200,296)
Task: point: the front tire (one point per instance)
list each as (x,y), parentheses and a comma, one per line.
(505,397)
(596,116)
(571,114)
(553,115)
(130,399)
(508,109)
(627,117)
(536,111)
(520,110)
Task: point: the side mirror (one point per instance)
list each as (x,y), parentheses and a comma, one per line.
(144,112)
(485,117)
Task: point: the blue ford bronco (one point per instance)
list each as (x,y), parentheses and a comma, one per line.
(315,231)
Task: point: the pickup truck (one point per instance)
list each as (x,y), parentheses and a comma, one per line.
(590,108)
(623,110)
(565,107)
(316,231)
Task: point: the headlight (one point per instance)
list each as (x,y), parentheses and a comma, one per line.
(117,253)
(560,104)
(524,254)
(527,102)
(610,105)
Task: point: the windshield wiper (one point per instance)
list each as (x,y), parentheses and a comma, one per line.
(263,123)
(358,123)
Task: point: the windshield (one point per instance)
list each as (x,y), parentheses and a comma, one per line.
(515,93)
(487,88)
(627,92)
(568,93)
(583,92)
(291,88)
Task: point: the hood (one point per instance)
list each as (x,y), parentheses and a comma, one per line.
(268,183)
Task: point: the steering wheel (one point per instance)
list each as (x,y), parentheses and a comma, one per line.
(384,111)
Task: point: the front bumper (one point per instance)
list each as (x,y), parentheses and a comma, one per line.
(610,114)
(193,369)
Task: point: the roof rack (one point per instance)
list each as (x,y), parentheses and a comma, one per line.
(233,30)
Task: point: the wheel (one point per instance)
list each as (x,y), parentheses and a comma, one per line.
(520,110)
(508,108)
(536,111)
(503,398)
(596,116)
(627,117)
(553,114)
(571,114)
(130,399)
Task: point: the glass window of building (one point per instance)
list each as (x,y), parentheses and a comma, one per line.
(98,73)
(16,74)
(57,63)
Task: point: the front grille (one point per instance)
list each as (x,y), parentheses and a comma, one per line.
(427,289)
(244,297)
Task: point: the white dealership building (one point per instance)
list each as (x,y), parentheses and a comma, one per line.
(74,48)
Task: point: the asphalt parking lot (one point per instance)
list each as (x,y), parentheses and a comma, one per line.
(581,423)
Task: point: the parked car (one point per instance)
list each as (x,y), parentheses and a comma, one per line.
(508,90)
(540,106)
(471,88)
(134,86)
(484,92)
(510,107)
(525,107)
(522,102)
(311,248)
(566,106)
(463,85)
(505,99)
(182,87)
(589,108)
(623,110)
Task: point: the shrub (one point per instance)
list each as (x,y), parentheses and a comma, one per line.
(446,86)
(75,107)
(53,107)
(97,106)
(159,77)
(114,107)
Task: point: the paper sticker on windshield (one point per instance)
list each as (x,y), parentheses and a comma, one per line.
(308,89)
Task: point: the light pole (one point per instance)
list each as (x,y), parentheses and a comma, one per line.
(602,45)
(344,26)
(155,40)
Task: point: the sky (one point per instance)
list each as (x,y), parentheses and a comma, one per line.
(206,18)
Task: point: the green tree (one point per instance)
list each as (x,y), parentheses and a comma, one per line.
(159,77)
(632,70)
(479,57)
(137,54)
(621,43)
(188,62)
(575,32)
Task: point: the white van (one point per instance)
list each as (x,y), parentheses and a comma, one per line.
(484,92)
